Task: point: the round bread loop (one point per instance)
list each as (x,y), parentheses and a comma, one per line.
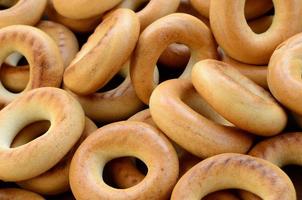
(55,180)
(174,28)
(113,105)
(238,99)
(252,8)
(67,123)
(154,10)
(41,52)
(237,39)
(284,73)
(257,74)
(221,172)
(22,13)
(83,9)
(119,140)
(16,78)
(280,150)
(112,43)
(18,194)
(77,25)
(192,131)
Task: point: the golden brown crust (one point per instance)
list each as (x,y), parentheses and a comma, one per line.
(67,123)
(179,28)
(112,42)
(256,175)
(238,99)
(238,40)
(190,130)
(118,140)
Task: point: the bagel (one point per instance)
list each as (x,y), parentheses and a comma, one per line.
(221,172)
(252,8)
(257,74)
(55,180)
(18,194)
(67,123)
(174,28)
(119,140)
(190,130)
(237,39)
(77,25)
(113,105)
(41,52)
(83,9)
(154,9)
(21,13)
(16,78)
(238,99)
(280,150)
(284,76)
(112,43)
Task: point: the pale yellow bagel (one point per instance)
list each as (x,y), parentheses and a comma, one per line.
(237,39)
(238,99)
(154,9)
(119,140)
(174,28)
(18,194)
(41,52)
(104,54)
(55,180)
(83,9)
(231,170)
(284,73)
(77,25)
(257,74)
(67,123)
(16,78)
(189,129)
(252,9)
(27,12)
(280,150)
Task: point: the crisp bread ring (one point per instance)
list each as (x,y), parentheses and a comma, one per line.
(174,28)
(238,99)
(239,41)
(67,123)
(280,150)
(253,8)
(18,194)
(83,9)
(189,129)
(221,172)
(55,180)
(41,52)
(113,105)
(154,10)
(16,78)
(257,74)
(284,73)
(77,25)
(119,140)
(27,12)
(112,42)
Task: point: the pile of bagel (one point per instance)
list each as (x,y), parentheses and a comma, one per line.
(150,99)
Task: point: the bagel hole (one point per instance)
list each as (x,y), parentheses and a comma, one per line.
(295,173)
(218,195)
(112,84)
(136,7)
(30,133)
(5,4)
(117,175)
(14,73)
